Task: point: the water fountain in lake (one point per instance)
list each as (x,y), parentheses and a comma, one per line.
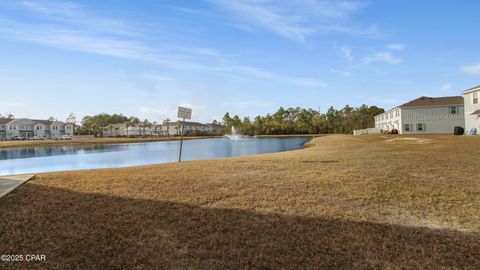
(234,136)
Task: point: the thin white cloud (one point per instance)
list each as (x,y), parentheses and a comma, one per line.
(84,37)
(294,19)
(347,52)
(385,57)
(68,12)
(341,73)
(267,17)
(272,76)
(396,46)
(91,34)
(471,69)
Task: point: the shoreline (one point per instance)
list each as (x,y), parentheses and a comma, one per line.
(307,144)
(4,145)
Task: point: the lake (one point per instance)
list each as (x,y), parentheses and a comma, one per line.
(63,158)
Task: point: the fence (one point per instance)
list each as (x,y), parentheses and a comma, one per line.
(367,131)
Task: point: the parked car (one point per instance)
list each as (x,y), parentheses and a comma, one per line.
(17,138)
(37,138)
(66,137)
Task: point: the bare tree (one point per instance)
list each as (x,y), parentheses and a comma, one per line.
(72,119)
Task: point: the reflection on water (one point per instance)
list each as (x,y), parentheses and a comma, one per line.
(61,158)
(53,151)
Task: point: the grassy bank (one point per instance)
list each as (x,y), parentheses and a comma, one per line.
(38,143)
(346,202)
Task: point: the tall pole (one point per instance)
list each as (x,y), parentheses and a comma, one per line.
(181,142)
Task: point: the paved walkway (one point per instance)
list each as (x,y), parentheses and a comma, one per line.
(10,183)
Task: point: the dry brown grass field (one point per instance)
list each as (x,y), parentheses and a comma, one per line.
(344,203)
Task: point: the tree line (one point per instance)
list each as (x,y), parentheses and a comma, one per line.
(93,125)
(305,121)
(283,121)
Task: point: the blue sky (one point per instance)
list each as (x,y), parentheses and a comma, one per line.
(247,57)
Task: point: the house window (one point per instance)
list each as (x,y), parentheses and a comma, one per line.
(475,97)
(453,109)
(421,127)
(408,127)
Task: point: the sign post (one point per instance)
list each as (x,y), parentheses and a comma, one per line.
(183,113)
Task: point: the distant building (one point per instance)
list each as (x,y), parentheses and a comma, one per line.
(166,129)
(424,115)
(122,130)
(175,128)
(472,108)
(3,128)
(216,128)
(33,129)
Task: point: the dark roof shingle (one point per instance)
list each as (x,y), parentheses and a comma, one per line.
(429,101)
(45,122)
(4,121)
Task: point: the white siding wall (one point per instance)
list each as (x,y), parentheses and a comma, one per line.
(39,131)
(12,130)
(26,128)
(389,120)
(436,119)
(69,129)
(471,121)
(57,130)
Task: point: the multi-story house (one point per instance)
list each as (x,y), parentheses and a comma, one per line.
(33,129)
(124,130)
(3,128)
(424,115)
(472,110)
(175,128)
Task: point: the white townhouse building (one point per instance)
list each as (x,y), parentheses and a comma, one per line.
(3,128)
(31,128)
(424,115)
(122,130)
(472,109)
(166,129)
(175,128)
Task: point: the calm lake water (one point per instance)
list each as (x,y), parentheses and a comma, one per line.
(62,158)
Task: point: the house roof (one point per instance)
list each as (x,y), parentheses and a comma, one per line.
(436,101)
(215,125)
(30,121)
(5,120)
(45,122)
(471,89)
(20,120)
(116,125)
